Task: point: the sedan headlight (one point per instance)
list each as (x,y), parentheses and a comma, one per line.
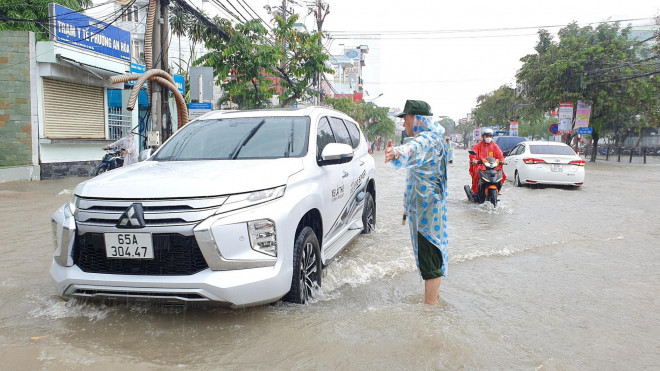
(262,236)
(242,200)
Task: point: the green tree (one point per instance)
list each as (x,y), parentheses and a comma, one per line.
(372,118)
(600,67)
(376,122)
(537,129)
(448,124)
(301,58)
(496,108)
(32,15)
(466,128)
(245,62)
(345,105)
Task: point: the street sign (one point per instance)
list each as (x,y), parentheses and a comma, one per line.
(582,115)
(588,130)
(554,129)
(180,82)
(196,110)
(351,53)
(76,29)
(513,128)
(565,117)
(138,68)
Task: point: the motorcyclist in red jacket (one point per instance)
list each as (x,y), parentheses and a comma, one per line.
(484,149)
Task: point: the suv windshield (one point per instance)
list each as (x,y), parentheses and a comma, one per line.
(238,138)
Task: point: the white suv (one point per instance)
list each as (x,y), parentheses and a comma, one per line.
(237,207)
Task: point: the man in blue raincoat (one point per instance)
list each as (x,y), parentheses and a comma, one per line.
(425,201)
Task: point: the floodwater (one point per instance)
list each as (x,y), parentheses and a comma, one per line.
(553,279)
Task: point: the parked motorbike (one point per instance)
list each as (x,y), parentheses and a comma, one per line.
(111,160)
(491,177)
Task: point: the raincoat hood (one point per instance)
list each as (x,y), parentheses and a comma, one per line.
(425,123)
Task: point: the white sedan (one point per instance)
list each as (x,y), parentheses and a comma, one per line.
(537,162)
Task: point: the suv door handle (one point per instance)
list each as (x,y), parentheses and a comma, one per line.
(345,174)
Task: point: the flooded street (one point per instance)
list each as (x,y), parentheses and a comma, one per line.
(553,278)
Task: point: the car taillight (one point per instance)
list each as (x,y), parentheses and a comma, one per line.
(577,162)
(531,161)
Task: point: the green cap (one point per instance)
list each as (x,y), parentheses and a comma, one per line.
(416,107)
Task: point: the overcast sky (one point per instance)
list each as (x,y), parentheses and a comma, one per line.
(432,50)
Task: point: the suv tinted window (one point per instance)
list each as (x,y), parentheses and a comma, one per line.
(341,133)
(354,132)
(238,138)
(323,136)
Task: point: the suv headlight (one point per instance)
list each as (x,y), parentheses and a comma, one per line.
(73,203)
(262,236)
(242,200)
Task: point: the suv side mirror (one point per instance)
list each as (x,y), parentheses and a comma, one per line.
(336,153)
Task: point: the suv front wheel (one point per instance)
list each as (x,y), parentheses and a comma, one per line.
(369,214)
(307,267)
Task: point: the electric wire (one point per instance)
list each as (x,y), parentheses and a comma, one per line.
(380,33)
(236,10)
(226,10)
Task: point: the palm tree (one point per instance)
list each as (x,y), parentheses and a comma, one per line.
(179,24)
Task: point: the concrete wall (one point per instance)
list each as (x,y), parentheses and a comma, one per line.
(15,102)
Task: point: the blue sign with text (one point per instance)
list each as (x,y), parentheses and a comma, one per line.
(203,106)
(180,83)
(138,68)
(588,130)
(74,28)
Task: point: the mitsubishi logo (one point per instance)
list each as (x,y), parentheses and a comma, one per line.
(133,217)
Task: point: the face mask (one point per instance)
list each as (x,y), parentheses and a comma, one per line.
(488,140)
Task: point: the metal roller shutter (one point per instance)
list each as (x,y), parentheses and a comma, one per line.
(73,110)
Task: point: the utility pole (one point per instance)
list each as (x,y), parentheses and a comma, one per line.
(320,11)
(160,119)
(165,117)
(156,124)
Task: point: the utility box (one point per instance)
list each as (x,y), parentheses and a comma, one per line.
(153,139)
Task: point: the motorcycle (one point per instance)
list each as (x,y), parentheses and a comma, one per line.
(491,177)
(111,160)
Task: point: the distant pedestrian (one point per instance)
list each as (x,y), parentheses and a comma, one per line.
(450,151)
(424,155)
(128,148)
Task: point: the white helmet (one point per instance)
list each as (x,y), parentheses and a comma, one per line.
(487,131)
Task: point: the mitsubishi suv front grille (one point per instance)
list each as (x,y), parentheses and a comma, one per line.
(169,221)
(174,255)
